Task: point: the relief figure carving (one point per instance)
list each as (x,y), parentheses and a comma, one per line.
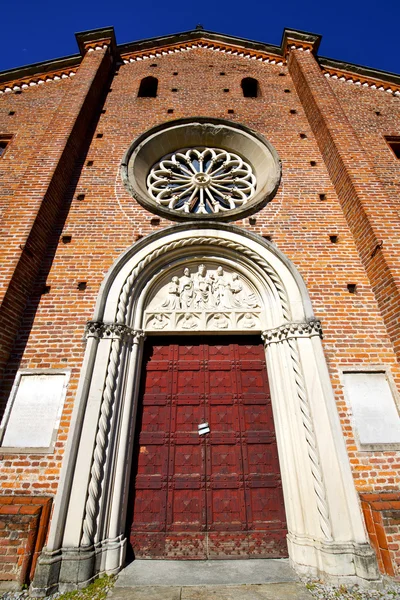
(248,322)
(205,290)
(159,321)
(188,322)
(186,289)
(172,301)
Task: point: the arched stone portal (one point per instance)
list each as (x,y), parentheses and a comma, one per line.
(326,535)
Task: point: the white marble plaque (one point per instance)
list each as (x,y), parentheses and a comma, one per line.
(35,411)
(375,413)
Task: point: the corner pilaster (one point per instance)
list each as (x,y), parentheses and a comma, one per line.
(369,212)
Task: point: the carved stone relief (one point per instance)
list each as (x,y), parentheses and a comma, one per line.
(203,297)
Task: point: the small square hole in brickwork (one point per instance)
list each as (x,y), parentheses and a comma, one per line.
(352,288)
(313,163)
(293,111)
(89,163)
(175,73)
(252,220)
(378,113)
(222,73)
(139,236)
(154,65)
(155,221)
(46,289)
(170,111)
(174,90)
(226,90)
(287,91)
(282,74)
(18,92)
(303,136)
(82,285)
(394,145)
(322,196)
(267,237)
(334,239)
(99,135)
(230,111)
(80,197)
(11,113)
(66,239)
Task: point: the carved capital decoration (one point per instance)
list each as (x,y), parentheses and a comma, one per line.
(113,331)
(292,330)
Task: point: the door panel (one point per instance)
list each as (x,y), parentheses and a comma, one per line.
(213,496)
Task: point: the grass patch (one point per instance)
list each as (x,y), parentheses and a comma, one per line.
(97,590)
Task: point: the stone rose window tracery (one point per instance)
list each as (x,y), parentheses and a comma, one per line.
(202,181)
(201,169)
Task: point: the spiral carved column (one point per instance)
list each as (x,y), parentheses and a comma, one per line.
(287,334)
(119,335)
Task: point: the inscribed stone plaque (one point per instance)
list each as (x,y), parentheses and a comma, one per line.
(35,411)
(375,413)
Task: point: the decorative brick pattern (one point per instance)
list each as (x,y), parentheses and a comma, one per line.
(23,529)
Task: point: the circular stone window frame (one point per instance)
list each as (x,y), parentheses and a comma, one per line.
(200,132)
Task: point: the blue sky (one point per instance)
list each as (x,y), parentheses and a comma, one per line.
(361,32)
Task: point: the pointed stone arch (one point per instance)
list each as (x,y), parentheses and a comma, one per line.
(87,535)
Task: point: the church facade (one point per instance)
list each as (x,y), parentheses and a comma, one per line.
(200,293)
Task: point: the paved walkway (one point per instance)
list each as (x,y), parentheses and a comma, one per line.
(209,580)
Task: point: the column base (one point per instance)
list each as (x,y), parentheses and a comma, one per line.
(336,562)
(74,568)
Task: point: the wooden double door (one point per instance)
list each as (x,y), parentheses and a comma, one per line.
(216,494)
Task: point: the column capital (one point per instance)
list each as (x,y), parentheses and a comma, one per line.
(292,330)
(100,330)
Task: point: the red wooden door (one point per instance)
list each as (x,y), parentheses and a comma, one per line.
(216,495)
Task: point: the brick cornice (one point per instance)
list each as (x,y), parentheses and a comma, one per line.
(204,43)
(357,78)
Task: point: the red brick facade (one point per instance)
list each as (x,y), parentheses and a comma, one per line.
(60,177)
(23,527)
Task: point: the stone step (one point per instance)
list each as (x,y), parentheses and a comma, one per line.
(269,591)
(206,572)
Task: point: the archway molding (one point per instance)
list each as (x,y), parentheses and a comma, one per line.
(326,535)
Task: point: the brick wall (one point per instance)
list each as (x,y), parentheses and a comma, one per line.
(23,528)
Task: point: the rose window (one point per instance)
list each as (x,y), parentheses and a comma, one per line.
(201,181)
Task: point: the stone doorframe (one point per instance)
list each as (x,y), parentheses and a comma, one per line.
(326,538)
